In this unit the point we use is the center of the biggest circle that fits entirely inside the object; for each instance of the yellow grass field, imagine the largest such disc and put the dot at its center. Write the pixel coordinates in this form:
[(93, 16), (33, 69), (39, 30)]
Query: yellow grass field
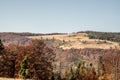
[(80, 40)]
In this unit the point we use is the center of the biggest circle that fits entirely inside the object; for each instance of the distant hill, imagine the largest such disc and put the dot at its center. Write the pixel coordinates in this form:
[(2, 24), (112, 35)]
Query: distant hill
[(16, 38), (111, 36), (20, 38), (77, 40)]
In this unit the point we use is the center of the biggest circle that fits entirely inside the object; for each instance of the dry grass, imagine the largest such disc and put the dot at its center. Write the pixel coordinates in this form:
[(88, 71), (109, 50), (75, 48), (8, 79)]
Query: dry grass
[(78, 41)]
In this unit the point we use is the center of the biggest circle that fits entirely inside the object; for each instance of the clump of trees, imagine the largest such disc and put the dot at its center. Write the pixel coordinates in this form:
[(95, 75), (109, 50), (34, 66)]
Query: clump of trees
[(37, 65), (112, 64), (81, 72), (105, 63), (104, 36)]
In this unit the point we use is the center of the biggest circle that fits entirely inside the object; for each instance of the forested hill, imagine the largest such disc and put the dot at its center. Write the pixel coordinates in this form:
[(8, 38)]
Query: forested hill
[(20, 38), (16, 38), (111, 36)]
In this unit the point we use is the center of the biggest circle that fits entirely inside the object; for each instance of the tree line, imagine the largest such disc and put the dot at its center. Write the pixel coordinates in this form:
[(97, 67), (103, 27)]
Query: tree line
[(104, 36)]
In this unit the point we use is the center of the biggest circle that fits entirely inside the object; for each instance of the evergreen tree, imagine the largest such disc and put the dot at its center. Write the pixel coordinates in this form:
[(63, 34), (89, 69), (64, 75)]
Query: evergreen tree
[(24, 67), (101, 68), (78, 71), (72, 74), (67, 75), (59, 76), (2, 60), (1, 47), (83, 71), (52, 78)]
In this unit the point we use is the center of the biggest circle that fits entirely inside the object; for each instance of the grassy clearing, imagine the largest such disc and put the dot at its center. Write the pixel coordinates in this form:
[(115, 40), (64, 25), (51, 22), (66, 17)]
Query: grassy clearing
[(78, 41)]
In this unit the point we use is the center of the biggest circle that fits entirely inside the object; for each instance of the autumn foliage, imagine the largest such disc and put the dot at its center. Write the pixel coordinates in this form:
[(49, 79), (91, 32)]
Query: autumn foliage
[(40, 59), (51, 63)]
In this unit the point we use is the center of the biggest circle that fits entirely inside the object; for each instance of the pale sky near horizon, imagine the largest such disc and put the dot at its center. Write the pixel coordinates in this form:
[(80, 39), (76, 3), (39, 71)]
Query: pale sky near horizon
[(46, 16)]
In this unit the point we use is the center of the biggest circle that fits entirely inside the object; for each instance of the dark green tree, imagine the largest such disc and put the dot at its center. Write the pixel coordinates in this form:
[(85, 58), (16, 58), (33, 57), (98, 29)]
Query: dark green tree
[(52, 78), (59, 76), (73, 73), (1, 48), (24, 68), (2, 60), (101, 68)]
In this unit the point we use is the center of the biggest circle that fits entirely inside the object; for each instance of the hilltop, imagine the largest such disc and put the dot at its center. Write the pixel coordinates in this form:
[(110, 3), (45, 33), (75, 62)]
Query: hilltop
[(76, 41)]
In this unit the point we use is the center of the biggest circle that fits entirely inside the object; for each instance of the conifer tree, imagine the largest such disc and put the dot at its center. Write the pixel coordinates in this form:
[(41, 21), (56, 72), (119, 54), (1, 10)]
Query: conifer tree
[(52, 78), (66, 75), (101, 68), (78, 71), (1, 47), (24, 67), (2, 60), (59, 76), (72, 74), (83, 70)]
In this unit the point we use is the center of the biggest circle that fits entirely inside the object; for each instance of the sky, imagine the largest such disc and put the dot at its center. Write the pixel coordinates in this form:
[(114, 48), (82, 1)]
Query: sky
[(47, 16)]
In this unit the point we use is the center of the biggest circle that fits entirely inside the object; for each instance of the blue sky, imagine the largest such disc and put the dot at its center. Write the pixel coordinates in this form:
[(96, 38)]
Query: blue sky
[(45, 16)]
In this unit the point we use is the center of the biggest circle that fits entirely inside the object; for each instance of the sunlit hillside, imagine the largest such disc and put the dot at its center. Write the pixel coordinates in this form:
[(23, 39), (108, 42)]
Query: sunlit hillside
[(77, 41)]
